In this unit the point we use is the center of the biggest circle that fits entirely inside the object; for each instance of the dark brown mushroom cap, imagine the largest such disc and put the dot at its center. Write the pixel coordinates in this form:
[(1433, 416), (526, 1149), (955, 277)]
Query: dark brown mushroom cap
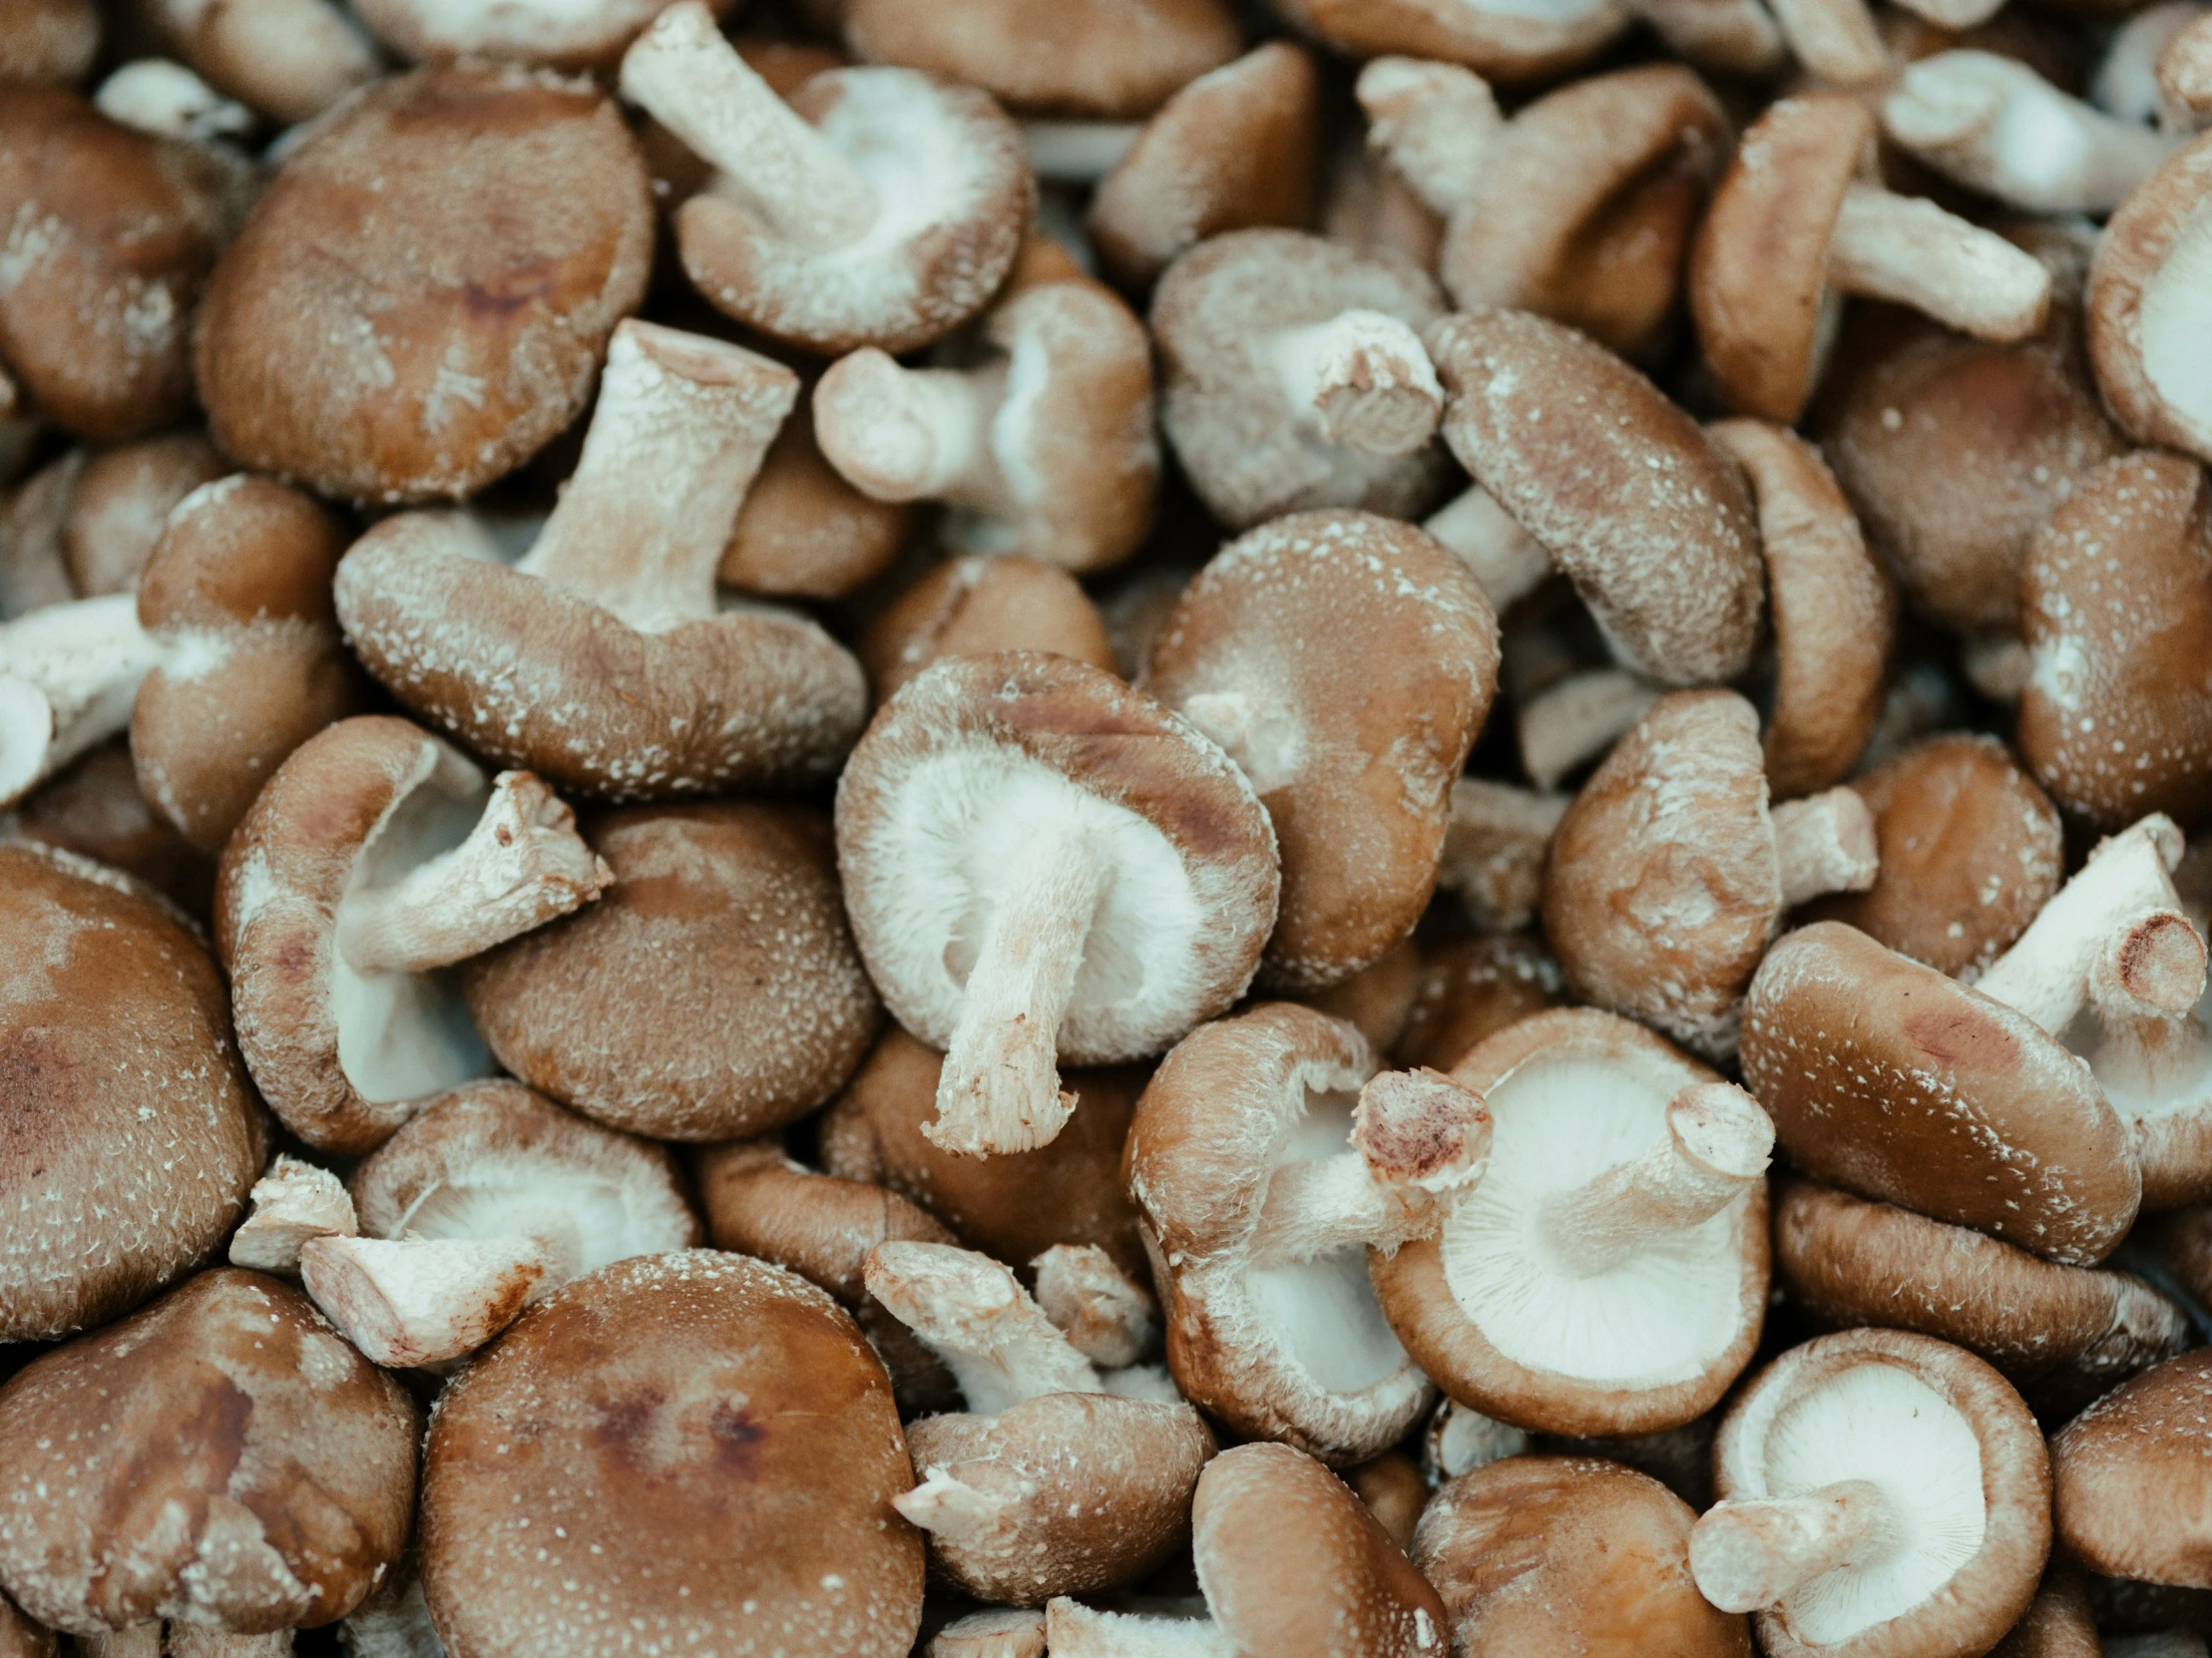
[(1648, 520), (803, 532), (977, 604), (2116, 609), (1971, 850), (1470, 990), (1893, 1082), (134, 1135), (95, 810), (1569, 1556), (1394, 1491), (1502, 43), (1356, 659), (420, 298), (2128, 1477), (49, 42), (2058, 1623), (116, 233), (729, 1400), (2141, 318), (712, 991), (239, 589), (222, 1457), (121, 502)]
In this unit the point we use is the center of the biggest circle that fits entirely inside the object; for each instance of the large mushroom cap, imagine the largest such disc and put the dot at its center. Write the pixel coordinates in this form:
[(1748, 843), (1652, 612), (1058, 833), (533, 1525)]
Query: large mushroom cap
[(2145, 304), (134, 1135), (222, 1458), (2128, 1477), (696, 1446)]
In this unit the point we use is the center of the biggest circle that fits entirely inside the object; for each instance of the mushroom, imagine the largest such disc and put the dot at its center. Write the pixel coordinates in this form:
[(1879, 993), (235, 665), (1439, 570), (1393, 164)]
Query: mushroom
[(2118, 1472), (803, 532), (420, 298), (558, 33), (1495, 844), (732, 1403), (2144, 306), (95, 810), (603, 660), (67, 676), (99, 512), (974, 604), (1671, 875), (1378, 1000), (19, 1636), (1791, 227), (1512, 43), (1043, 865), (879, 207), (220, 1459), (995, 1632), (1047, 1483), (49, 42), (2125, 82), (1458, 1440), (294, 1202), (485, 1203), (1471, 989), (375, 856), (714, 991), (2185, 71), (2177, 1246), (1268, 1157), (1569, 1555), (1368, 204), (135, 1135), (2057, 1624), (1881, 1493), (1609, 1274), (1295, 375), (1346, 663), (290, 60), (163, 97), (1395, 1492)]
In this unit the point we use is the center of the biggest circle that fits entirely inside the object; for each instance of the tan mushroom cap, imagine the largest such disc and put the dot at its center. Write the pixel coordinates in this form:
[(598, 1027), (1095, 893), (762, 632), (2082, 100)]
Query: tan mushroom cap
[(712, 992), (1569, 1555), (2184, 68), (120, 500), (290, 60), (1346, 662), (2058, 1623), (1893, 1082), (1378, 1000), (1502, 42), (2116, 720), (2145, 312), (95, 810), (2126, 1477), (803, 532), (49, 42), (220, 1457), (1395, 1492), (1471, 989), (733, 1403), (420, 298), (974, 604), (1651, 522)]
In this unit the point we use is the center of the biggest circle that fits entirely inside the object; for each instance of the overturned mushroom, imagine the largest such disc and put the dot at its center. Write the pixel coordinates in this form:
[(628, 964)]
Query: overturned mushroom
[(2145, 306), (975, 604)]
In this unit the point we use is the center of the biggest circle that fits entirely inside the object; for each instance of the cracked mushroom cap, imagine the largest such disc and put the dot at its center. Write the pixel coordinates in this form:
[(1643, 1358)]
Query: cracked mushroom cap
[(2126, 1472), (1637, 508), (1346, 662), (221, 1459), (978, 604), (698, 1447), (135, 1136), (1502, 42), (420, 298), (2146, 307), (1569, 1556), (712, 992), (1890, 1080), (1609, 1274)]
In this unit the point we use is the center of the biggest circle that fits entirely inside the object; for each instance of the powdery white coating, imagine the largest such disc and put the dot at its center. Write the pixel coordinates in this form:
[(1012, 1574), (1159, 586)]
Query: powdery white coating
[(1074, 1630), (565, 32), (77, 664)]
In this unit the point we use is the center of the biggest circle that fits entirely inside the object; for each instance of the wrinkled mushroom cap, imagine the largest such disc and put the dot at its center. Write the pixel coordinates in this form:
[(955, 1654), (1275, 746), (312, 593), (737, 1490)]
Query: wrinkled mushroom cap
[(2145, 306), (2128, 1477)]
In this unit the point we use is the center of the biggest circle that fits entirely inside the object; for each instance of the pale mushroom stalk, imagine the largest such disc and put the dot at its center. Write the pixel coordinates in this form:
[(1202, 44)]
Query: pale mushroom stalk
[(1749, 1554), (422, 1301), (974, 1315), (163, 97), (1577, 719), (1910, 251), (67, 676), (1834, 39), (1822, 844), (1506, 561), (1074, 1630), (188, 1641), (294, 1202), (1077, 151), (1433, 123), (1362, 379), (1460, 1438), (1105, 1315), (1494, 850), (913, 434)]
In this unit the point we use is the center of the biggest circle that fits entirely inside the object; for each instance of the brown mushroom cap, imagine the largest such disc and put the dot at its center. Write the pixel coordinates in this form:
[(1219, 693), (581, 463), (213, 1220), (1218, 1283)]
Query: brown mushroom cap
[(1346, 662), (2125, 1472), (975, 604), (95, 810), (1502, 42), (1569, 1555), (420, 299), (803, 532), (120, 501), (290, 60), (19, 1636), (1468, 990), (551, 33), (2058, 1623), (136, 1134), (1395, 1492), (49, 42), (2145, 316), (219, 1458), (1890, 1080)]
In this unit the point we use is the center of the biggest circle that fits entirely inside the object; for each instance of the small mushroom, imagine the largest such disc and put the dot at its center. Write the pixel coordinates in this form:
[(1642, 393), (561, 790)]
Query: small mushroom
[(294, 1202), (2058, 1623), (2118, 1472), (1881, 1493), (1043, 865), (49, 42), (975, 604), (1468, 990), (803, 532), (95, 810), (290, 60), (118, 500), (2185, 71), (2145, 306), (1507, 42), (163, 97), (561, 34), (1395, 1492)]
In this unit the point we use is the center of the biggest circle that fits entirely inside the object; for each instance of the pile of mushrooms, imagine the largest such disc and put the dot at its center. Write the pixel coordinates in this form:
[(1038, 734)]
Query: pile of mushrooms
[(1106, 828)]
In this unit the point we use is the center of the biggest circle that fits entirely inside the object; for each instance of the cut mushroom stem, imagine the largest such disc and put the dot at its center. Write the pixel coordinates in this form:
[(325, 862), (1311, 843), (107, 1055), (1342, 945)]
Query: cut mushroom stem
[(163, 97), (1910, 251), (1077, 152), (1750, 1555), (67, 676), (1363, 378), (910, 434), (521, 865), (1718, 1145), (1506, 561), (1822, 844), (1574, 721), (1433, 122), (683, 74), (422, 1301), (294, 1202), (1106, 1316), (975, 1316)]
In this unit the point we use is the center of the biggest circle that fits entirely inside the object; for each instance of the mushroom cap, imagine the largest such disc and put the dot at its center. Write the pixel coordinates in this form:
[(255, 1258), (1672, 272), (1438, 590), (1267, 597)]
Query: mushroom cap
[(705, 1451), (759, 1203), (2128, 1477), (1378, 1000), (2058, 1623), (1248, 455), (2116, 610), (120, 503), (135, 1137), (1893, 1082), (974, 604), (803, 532), (1299, 1353), (560, 33), (965, 763), (1506, 42), (738, 1000), (1487, 1313), (1360, 659), (222, 1457), (1648, 520), (1472, 989), (1109, 60), (2146, 312), (1395, 1492), (20, 1637), (49, 42), (95, 810), (1956, 1454), (1971, 850), (420, 299), (1569, 1555)]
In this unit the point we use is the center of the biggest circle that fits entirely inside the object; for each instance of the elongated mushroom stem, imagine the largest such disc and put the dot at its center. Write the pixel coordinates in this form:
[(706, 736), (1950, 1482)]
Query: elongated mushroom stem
[(1717, 1146), (1363, 380), (682, 425), (1106, 1316), (1077, 151), (683, 74), (1834, 39), (2185, 70), (948, 1507), (422, 1301), (911, 434), (1494, 850), (1824, 843), (1749, 1554), (1433, 123), (1506, 561), (189, 1641), (974, 1315), (163, 97), (1909, 251), (67, 676), (1577, 719), (292, 1203)]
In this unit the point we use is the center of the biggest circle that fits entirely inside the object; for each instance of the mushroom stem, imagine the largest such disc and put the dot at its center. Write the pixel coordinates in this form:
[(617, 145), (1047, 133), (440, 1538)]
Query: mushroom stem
[(1264, 739), (1824, 843), (1000, 1086), (188, 1641), (1996, 664), (1433, 122), (2185, 69), (974, 1315), (1749, 1554), (67, 676), (1494, 850), (683, 74), (292, 1203), (1577, 719), (1074, 1630), (911, 434), (1506, 561), (1363, 380), (946, 1508), (1909, 251), (163, 97), (1106, 1316), (682, 425), (1077, 151), (521, 865), (422, 1301), (1717, 1146), (1834, 39)]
